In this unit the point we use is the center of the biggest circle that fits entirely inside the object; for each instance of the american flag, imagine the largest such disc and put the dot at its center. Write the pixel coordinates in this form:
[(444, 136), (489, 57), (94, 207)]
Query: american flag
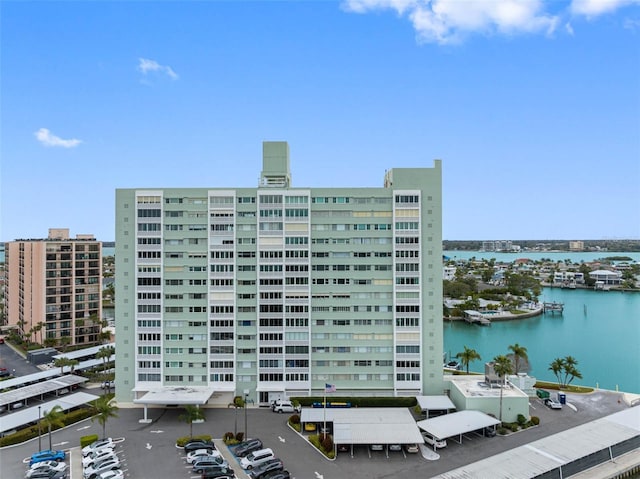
[(329, 388)]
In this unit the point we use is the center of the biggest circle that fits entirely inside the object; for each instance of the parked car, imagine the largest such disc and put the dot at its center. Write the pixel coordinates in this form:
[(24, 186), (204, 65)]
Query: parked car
[(552, 403), (433, 441), (210, 470), (97, 456), (256, 458), (395, 447), (489, 431), (94, 470), (284, 406), (211, 462), (199, 454), (376, 447), (412, 448), (107, 385), (266, 467), (221, 473), (277, 475), (47, 455), (112, 474), (198, 444), (48, 467), (247, 447), (99, 444), (57, 465), (49, 474)]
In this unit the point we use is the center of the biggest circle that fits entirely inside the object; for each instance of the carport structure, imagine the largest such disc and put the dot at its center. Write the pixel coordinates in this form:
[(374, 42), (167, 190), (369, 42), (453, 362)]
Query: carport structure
[(20, 396), (457, 424), (435, 404), (366, 426)]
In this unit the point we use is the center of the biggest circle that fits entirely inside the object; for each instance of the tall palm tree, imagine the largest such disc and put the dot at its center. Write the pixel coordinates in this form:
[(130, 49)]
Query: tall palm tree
[(105, 409), (518, 353), (53, 418), (191, 413), (467, 356), (502, 366), (557, 366)]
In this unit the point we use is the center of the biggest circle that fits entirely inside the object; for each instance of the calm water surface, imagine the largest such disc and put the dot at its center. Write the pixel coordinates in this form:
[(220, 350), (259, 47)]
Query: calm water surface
[(601, 329)]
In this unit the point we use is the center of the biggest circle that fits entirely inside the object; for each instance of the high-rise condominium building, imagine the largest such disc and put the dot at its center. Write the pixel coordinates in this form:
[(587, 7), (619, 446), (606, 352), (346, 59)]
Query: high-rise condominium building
[(280, 291), (53, 290)]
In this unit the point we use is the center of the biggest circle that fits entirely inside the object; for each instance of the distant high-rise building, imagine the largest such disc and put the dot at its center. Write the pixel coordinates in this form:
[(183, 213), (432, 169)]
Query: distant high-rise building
[(278, 291), (576, 245), (53, 290)]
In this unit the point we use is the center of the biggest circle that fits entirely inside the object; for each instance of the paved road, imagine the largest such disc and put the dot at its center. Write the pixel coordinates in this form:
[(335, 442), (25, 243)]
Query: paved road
[(148, 450)]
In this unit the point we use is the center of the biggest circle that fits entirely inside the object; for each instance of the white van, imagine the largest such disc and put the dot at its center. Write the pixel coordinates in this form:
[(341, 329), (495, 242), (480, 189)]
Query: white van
[(433, 441), (283, 406), (256, 457)]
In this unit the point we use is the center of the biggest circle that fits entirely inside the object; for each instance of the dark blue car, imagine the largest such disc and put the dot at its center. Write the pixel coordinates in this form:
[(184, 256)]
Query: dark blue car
[(47, 455)]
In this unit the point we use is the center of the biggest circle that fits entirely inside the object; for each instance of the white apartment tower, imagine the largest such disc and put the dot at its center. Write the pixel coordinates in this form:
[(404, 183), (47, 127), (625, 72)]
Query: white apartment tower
[(277, 291)]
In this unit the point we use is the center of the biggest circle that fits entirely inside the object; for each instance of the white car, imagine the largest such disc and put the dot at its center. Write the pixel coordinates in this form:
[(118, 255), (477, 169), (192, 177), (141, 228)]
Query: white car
[(193, 456), (112, 474), (98, 456), (100, 444), (91, 472), (46, 466)]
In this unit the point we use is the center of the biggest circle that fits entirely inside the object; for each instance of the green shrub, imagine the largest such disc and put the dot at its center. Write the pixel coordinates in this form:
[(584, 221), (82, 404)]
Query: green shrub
[(240, 436), (521, 419), (294, 419), (19, 437), (227, 436), (514, 427), (535, 420), (502, 430), (181, 441), (327, 443), (86, 440)]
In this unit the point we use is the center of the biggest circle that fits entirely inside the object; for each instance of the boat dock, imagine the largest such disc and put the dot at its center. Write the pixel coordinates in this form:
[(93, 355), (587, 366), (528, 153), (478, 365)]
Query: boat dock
[(553, 307), (471, 317)]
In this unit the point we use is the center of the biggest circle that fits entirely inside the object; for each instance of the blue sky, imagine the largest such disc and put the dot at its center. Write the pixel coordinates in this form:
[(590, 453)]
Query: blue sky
[(533, 106)]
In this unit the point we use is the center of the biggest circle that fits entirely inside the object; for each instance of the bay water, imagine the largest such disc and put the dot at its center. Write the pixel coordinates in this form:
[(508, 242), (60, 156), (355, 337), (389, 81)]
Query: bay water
[(600, 329)]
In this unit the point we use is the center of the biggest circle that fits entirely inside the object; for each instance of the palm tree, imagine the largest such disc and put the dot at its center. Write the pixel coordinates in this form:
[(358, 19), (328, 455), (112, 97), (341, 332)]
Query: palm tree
[(53, 418), (467, 356), (502, 367), (61, 363), (518, 352), (105, 408), (557, 366), (191, 414)]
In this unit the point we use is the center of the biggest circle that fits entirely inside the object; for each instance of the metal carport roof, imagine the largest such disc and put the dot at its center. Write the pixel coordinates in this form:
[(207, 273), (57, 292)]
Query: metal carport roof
[(367, 425), (14, 420), (435, 403), (457, 423), (555, 451), (37, 389), (81, 353)]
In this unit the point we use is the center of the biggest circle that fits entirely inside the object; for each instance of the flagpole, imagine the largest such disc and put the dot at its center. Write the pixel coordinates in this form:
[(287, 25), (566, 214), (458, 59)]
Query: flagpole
[(324, 426)]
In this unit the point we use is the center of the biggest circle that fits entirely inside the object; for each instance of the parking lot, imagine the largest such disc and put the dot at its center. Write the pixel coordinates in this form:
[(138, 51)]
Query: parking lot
[(151, 453)]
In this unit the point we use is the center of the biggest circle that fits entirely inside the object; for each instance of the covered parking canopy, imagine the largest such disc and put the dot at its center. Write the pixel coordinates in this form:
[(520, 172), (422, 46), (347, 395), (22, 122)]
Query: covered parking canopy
[(30, 415), (367, 425), (25, 393), (435, 403), (457, 424)]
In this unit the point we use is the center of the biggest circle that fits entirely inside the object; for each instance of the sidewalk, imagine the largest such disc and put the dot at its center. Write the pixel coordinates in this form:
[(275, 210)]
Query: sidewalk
[(75, 463)]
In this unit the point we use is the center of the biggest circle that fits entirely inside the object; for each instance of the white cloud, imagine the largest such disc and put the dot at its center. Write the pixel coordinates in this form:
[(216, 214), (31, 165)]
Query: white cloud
[(47, 138), (450, 21), (594, 8), (568, 28), (145, 66)]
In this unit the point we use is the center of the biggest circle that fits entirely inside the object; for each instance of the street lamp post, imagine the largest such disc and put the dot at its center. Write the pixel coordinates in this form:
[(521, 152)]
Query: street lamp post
[(39, 431), (246, 429)]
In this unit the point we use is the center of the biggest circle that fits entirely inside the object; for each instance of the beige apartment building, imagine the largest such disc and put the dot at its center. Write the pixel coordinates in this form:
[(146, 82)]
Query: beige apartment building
[(53, 288)]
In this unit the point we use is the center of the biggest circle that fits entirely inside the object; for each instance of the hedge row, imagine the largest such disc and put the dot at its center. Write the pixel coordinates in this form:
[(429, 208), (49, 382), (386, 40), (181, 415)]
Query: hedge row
[(32, 431)]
